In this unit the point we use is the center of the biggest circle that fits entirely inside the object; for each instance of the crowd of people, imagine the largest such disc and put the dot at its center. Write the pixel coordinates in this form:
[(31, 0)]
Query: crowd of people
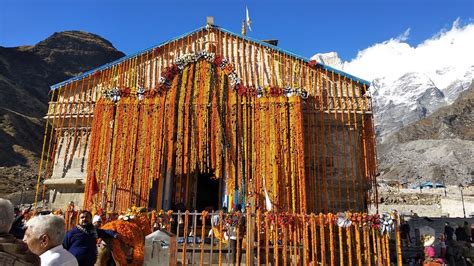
[(447, 248), (43, 239)]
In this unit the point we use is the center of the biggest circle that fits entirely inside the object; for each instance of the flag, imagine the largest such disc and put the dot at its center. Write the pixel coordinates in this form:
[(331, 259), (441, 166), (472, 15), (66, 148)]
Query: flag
[(93, 187), (247, 18), (268, 203)]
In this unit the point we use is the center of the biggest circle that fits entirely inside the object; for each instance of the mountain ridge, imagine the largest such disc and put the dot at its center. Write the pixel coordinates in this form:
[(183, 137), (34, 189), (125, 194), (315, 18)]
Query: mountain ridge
[(26, 74), (424, 133)]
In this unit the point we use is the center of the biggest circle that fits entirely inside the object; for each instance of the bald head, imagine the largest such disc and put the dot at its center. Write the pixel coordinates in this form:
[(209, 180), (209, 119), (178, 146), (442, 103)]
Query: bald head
[(7, 214)]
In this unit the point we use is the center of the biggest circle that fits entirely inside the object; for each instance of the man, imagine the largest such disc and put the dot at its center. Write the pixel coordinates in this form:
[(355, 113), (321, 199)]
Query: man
[(405, 233), (460, 233), (467, 230), (43, 236), (12, 250), (18, 226), (81, 240), (236, 234), (448, 232), (216, 226)]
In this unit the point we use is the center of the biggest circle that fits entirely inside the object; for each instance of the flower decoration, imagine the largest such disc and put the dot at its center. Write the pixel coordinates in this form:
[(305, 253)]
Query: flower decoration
[(288, 92), (286, 219), (125, 92), (218, 60), (229, 69), (312, 63), (132, 236), (344, 220), (150, 93), (113, 94), (375, 220), (165, 81), (234, 80), (259, 92), (241, 90), (274, 91), (386, 223), (141, 93), (302, 93)]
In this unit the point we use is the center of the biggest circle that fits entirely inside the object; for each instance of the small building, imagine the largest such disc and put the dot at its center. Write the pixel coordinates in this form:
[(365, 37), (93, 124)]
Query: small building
[(211, 119)]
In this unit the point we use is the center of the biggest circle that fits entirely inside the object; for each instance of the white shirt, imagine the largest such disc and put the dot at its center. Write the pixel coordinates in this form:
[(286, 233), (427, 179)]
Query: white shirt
[(58, 256)]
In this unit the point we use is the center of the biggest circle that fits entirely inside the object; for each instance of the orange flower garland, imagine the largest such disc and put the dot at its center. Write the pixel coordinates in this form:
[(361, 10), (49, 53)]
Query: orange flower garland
[(132, 236), (199, 117)]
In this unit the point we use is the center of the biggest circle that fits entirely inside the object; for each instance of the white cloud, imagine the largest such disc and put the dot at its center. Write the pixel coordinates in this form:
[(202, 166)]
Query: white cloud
[(447, 55)]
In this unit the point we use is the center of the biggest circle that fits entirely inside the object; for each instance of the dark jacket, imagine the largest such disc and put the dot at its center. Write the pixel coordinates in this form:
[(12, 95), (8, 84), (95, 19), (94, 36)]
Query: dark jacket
[(461, 234), (448, 231), (82, 243), (18, 227)]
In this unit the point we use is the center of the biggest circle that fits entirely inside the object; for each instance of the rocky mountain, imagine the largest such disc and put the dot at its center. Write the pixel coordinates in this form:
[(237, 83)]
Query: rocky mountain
[(410, 98), (438, 148), (424, 124), (455, 121), (26, 72)]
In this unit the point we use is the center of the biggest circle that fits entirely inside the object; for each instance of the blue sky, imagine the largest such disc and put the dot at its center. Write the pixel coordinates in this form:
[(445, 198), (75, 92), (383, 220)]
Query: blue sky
[(303, 27)]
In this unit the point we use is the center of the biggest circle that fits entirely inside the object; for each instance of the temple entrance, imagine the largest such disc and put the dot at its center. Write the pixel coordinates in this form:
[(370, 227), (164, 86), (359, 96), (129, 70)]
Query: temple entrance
[(207, 192)]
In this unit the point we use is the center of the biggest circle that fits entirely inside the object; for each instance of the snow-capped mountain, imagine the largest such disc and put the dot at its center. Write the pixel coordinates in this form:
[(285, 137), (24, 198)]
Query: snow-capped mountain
[(330, 59), (412, 96), (423, 100)]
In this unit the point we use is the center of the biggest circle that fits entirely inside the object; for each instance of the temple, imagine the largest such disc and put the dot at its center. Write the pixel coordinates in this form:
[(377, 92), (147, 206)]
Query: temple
[(211, 119)]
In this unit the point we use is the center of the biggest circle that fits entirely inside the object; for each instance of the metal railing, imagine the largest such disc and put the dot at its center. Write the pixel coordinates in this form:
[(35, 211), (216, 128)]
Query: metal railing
[(283, 238)]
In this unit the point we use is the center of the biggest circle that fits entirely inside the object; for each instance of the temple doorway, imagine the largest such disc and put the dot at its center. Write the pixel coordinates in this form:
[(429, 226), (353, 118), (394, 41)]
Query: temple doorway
[(207, 192)]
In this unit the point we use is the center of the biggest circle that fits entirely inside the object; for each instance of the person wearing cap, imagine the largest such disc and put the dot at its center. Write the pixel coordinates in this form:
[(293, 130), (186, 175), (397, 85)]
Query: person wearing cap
[(429, 250), (97, 221)]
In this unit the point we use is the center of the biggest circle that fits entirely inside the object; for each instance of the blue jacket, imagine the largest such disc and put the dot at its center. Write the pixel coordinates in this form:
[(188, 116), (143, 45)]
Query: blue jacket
[(83, 245)]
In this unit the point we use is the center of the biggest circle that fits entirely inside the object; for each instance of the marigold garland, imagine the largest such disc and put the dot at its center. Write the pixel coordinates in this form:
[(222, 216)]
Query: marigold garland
[(200, 118), (132, 236)]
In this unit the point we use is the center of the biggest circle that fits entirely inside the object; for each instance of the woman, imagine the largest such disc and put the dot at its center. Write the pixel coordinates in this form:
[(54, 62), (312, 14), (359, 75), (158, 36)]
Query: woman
[(430, 253)]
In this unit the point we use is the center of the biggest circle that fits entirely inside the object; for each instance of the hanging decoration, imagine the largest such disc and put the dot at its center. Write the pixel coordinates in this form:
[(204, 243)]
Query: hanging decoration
[(196, 122), (386, 223), (286, 131), (165, 81), (343, 220), (114, 94)]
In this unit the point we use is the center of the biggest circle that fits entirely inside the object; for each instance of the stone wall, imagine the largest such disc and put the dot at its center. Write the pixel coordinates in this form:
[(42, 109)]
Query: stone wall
[(69, 171)]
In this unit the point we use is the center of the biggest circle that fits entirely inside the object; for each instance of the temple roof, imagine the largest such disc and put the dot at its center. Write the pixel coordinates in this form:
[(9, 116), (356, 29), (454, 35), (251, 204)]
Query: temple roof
[(259, 42)]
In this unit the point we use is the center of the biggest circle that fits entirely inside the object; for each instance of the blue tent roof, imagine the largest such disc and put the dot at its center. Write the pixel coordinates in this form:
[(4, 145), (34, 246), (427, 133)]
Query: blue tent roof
[(118, 61), (430, 185)]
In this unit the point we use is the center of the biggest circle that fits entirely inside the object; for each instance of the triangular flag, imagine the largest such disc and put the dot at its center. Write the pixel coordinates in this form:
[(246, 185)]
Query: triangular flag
[(247, 18), (93, 187), (268, 203)]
